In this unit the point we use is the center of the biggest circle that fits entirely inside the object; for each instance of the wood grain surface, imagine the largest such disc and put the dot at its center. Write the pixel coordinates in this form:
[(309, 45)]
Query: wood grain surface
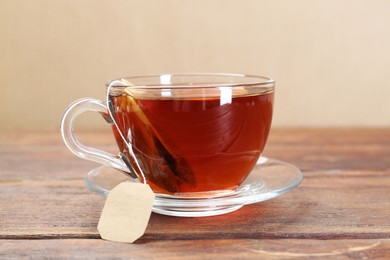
[(341, 210)]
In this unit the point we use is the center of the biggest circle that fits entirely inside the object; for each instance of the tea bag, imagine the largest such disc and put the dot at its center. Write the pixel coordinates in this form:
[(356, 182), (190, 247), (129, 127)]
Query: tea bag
[(126, 212), (164, 166)]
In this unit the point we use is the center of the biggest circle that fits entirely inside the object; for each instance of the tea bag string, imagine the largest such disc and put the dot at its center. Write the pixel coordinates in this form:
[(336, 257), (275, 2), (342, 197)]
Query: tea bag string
[(110, 108)]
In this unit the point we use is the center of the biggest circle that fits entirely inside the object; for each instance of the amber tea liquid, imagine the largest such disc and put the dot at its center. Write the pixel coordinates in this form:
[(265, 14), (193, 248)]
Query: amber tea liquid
[(193, 144)]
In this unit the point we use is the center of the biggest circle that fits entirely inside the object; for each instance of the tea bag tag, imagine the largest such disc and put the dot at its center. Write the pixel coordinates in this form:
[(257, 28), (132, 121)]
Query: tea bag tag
[(126, 212)]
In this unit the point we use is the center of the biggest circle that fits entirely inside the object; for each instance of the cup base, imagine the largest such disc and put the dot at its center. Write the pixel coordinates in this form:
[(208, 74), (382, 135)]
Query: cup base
[(202, 212), (269, 178)]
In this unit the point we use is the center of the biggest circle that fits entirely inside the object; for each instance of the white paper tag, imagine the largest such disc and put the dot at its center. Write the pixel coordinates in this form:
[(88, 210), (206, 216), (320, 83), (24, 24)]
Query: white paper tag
[(126, 212)]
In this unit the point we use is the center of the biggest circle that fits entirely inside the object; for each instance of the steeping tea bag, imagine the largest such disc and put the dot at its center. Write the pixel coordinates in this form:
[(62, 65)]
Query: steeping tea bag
[(146, 146)]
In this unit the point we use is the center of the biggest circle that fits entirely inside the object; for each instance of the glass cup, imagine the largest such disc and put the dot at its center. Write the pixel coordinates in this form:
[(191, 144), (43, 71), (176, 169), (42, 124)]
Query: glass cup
[(183, 134)]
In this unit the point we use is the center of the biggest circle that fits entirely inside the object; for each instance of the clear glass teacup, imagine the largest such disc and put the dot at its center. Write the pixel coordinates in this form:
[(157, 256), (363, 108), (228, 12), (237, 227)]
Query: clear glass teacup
[(183, 134)]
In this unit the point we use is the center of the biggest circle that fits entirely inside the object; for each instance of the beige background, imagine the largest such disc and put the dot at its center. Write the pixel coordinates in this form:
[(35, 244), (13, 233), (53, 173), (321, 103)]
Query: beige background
[(331, 59)]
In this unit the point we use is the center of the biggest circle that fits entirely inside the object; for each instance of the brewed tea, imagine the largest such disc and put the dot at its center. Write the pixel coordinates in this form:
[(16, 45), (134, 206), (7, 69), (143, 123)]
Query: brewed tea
[(193, 144)]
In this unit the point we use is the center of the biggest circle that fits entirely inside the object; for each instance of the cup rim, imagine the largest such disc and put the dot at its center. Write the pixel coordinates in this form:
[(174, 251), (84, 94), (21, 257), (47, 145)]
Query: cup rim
[(249, 80)]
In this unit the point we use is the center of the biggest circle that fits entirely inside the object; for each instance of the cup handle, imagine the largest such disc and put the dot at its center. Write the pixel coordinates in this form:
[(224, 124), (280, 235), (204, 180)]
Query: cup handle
[(67, 132)]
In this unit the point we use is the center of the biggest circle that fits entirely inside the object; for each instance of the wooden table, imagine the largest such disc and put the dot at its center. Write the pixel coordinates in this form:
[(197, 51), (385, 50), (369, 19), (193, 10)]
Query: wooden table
[(341, 209)]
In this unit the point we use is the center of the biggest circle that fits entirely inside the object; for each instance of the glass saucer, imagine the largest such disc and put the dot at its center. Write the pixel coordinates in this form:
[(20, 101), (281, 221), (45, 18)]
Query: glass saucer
[(270, 178)]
